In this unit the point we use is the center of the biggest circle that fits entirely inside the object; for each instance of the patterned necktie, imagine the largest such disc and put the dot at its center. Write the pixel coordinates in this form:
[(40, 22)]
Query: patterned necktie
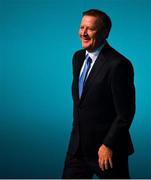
[(84, 74)]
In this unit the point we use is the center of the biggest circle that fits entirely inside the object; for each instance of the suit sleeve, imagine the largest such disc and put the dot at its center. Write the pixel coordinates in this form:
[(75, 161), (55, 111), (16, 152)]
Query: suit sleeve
[(123, 94)]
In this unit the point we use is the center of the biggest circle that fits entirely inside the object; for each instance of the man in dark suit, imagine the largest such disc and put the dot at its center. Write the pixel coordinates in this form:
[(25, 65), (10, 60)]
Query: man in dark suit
[(104, 105)]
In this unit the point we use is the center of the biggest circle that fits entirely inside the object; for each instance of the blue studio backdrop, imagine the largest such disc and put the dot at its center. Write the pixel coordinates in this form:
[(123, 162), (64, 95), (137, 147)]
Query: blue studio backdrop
[(37, 41)]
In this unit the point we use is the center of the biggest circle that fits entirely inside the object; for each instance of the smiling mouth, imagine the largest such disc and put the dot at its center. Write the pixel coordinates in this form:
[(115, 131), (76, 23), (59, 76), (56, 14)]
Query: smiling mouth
[(85, 40)]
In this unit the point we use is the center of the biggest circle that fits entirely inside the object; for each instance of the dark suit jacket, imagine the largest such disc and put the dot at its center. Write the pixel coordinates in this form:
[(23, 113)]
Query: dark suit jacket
[(105, 111)]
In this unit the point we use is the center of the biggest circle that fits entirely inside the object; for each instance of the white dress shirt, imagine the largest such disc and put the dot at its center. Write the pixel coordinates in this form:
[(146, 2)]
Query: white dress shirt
[(93, 55)]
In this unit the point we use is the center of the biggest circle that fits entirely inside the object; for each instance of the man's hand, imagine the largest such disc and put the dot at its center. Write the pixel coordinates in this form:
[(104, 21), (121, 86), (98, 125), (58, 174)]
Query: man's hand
[(105, 157)]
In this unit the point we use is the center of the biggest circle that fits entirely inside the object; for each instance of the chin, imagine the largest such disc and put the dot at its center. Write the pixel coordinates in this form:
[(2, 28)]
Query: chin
[(85, 46)]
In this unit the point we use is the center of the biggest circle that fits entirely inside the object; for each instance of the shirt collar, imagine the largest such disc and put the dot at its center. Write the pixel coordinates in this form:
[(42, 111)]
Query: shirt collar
[(93, 55)]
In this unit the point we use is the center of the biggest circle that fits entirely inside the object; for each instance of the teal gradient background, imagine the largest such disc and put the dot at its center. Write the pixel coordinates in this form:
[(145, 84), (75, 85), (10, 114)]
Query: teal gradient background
[(37, 41)]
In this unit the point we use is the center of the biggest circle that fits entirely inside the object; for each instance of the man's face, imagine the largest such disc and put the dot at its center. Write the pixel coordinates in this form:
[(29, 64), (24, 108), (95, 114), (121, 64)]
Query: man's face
[(91, 32)]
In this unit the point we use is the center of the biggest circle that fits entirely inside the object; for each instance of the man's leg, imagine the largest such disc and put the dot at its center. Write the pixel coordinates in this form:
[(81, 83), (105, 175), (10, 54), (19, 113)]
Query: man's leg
[(119, 171), (76, 168)]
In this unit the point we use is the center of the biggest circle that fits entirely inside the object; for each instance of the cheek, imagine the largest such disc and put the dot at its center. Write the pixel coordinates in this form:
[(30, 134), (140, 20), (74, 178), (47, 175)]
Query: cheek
[(93, 36)]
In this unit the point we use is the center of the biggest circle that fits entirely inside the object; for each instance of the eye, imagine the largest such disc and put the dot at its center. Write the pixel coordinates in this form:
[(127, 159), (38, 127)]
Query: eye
[(81, 27), (92, 29)]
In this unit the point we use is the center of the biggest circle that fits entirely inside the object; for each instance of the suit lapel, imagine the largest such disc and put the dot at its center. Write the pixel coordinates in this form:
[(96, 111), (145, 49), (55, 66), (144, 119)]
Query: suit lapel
[(79, 63), (100, 61), (95, 69), (98, 65)]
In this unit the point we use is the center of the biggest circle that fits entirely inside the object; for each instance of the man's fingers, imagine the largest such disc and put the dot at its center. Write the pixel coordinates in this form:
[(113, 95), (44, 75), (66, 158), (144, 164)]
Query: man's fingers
[(101, 164), (106, 164), (110, 162)]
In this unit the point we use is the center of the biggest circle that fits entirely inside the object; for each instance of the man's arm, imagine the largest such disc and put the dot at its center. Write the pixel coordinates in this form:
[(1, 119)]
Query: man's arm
[(123, 92)]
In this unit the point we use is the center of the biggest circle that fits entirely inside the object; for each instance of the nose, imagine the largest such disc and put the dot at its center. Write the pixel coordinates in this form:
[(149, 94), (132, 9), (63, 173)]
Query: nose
[(84, 32)]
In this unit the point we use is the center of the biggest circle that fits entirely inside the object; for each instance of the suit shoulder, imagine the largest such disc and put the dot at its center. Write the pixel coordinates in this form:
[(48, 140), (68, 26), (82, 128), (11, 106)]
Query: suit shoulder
[(78, 56), (78, 53), (115, 58)]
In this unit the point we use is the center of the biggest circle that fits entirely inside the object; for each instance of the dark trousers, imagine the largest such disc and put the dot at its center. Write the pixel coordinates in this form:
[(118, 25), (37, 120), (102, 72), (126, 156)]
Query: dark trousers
[(78, 167)]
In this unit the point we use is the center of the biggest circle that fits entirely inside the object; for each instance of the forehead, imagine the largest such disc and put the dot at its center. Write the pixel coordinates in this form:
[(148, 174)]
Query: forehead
[(91, 21)]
